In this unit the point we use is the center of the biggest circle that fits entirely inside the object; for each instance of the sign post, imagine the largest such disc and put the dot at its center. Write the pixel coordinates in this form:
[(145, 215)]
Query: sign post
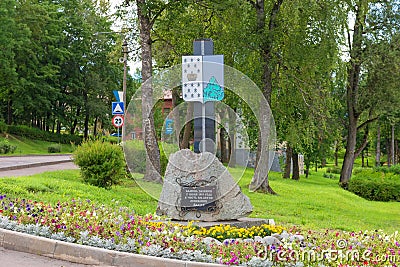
[(203, 83), (118, 110)]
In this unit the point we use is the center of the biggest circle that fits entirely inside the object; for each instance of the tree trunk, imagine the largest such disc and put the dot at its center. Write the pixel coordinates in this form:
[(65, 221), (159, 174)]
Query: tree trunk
[(176, 114), (188, 126), (336, 153), (153, 166), (47, 122), (296, 171), (323, 162), (58, 129), (288, 162), (95, 126), (396, 151), (389, 157), (223, 137), (352, 95), (86, 121), (260, 179), (307, 172), (223, 134), (231, 140), (392, 147), (75, 123), (348, 161), (9, 112), (378, 147), (362, 159)]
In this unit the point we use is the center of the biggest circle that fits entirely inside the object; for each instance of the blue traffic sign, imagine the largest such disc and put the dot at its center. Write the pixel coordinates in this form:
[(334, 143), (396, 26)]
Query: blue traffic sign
[(117, 108), (169, 126)]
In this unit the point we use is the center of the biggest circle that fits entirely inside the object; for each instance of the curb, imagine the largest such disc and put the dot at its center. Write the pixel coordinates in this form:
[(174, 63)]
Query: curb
[(31, 165), (85, 254)]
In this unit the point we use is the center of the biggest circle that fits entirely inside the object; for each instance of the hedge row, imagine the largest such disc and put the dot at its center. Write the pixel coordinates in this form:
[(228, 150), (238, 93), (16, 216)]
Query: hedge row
[(37, 134), (392, 169), (374, 184)]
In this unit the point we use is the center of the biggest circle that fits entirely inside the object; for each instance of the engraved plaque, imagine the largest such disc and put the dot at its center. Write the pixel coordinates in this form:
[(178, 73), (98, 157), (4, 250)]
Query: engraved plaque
[(198, 198)]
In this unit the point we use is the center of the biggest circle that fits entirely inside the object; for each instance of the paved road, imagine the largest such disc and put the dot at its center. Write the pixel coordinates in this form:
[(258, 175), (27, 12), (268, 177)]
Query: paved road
[(27, 165), (39, 169), (15, 162), (10, 258)]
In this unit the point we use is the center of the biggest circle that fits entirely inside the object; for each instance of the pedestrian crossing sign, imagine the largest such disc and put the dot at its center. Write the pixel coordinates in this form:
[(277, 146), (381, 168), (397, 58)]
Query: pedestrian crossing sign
[(117, 108)]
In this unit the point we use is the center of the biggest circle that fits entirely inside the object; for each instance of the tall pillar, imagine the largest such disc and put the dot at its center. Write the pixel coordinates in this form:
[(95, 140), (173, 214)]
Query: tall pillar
[(204, 113)]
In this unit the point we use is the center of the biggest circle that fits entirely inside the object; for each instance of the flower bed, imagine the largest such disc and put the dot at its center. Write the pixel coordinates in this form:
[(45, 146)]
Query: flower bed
[(121, 229)]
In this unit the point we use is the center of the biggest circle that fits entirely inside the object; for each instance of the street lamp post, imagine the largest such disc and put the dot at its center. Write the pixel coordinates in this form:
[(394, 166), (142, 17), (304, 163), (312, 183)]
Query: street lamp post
[(125, 51), (125, 61)]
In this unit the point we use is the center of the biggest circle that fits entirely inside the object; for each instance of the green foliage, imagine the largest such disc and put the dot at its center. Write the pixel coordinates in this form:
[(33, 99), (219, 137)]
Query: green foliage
[(163, 162), (54, 148), (37, 134), (329, 176), (26, 146), (44, 79), (3, 127), (392, 169), (135, 155), (333, 170), (373, 184), (102, 164), (6, 147)]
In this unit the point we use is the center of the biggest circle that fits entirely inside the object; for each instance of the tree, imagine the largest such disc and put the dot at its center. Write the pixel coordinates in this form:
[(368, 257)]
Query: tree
[(373, 24), (265, 29), (147, 16), (13, 36)]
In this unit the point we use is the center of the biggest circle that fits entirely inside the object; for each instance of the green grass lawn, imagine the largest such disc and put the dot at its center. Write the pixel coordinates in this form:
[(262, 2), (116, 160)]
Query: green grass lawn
[(312, 203), (28, 146), (319, 202)]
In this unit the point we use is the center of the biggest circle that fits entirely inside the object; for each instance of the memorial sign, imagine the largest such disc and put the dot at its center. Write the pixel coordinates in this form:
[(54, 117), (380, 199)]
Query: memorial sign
[(198, 198)]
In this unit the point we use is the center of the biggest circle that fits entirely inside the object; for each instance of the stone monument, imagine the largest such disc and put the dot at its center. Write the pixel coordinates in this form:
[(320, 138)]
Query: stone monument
[(196, 185), (199, 187)]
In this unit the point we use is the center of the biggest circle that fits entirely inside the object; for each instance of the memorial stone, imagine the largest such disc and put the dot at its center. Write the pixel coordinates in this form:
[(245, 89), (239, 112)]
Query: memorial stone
[(199, 187)]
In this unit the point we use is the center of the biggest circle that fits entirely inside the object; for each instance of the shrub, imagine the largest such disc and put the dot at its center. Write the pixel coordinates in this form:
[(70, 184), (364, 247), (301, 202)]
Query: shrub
[(334, 170), (373, 184), (3, 127), (329, 175), (102, 164), (6, 147), (135, 155), (163, 162), (392, 169), (54, 148)]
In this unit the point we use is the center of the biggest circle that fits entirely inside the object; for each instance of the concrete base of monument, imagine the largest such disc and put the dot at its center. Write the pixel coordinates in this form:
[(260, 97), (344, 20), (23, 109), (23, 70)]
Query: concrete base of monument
[(240, 223)]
